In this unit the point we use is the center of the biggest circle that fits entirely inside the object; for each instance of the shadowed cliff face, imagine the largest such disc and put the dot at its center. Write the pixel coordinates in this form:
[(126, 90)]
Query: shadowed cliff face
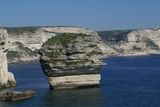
[(72, 60), (6, 78)]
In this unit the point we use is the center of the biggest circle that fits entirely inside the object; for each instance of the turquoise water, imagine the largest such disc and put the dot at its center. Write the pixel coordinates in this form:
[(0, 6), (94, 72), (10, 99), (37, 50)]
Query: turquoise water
[(126, 82)]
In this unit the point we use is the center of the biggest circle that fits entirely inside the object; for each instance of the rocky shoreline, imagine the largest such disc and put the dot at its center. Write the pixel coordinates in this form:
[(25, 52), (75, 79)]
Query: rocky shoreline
[(140, 54), (16, 96)]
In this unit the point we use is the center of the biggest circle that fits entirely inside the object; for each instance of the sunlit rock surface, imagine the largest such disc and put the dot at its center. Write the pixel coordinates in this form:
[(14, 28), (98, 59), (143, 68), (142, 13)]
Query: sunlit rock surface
[(6, 78), (138, 42)]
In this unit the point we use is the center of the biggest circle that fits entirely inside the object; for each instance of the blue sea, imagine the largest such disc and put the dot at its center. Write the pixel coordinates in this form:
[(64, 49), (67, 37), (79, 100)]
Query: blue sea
[(126, 82)]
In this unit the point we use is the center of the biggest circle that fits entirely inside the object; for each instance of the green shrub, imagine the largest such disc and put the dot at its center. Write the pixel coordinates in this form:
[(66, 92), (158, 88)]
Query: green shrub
[(64, 39), (60, 43), (12, 54), (94, 53)]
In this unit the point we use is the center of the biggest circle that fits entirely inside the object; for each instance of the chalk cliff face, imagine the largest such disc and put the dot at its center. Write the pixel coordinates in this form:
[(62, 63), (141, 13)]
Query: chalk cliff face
[(25, 43), (6, 78), (72, 58), (144, 41)]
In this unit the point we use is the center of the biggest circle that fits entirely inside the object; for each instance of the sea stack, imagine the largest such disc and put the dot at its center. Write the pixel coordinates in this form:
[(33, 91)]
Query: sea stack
[(6, 78), (72, 58)]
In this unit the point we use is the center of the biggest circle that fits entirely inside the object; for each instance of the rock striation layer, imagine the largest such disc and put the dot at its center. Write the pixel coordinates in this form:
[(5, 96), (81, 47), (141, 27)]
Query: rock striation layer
[(72, 60), (6, 78)]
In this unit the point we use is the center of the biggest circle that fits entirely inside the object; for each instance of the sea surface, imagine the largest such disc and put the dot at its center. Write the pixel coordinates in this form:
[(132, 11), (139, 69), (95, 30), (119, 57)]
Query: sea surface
[(126, 82)]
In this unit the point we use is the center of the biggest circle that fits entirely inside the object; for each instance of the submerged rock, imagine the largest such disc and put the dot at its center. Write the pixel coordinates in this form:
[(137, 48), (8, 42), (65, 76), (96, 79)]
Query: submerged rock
[(6, 78), (73, 60), (16, 96)]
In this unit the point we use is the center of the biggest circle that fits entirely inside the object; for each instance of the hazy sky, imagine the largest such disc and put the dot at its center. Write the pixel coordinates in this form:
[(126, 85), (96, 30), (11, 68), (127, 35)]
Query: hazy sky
[(96, 14)]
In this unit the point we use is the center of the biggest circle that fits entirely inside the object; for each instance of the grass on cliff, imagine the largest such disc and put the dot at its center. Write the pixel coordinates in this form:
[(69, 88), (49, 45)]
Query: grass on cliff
[(94, 53), (21, 30), (63, 39), (12, 54)]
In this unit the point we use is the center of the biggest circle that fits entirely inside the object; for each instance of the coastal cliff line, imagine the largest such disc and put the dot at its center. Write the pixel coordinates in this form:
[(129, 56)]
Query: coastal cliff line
[(25, 42), (133, 42)]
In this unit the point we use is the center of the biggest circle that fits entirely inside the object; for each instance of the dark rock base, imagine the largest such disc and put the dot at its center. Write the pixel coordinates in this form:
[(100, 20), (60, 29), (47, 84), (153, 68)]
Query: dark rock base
[(8, 85)]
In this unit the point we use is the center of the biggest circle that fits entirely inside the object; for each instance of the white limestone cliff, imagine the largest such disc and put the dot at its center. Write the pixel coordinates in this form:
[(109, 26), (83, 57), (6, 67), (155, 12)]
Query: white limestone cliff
[(6, 78), (133, 42), (145, 40)]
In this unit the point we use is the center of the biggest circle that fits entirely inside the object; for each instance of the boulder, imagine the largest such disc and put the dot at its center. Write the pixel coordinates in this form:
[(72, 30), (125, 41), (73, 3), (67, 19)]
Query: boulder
[(73, 60)]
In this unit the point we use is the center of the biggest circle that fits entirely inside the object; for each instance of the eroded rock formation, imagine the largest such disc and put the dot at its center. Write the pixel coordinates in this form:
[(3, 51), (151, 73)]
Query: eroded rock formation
[(73, 60), (6, 78)]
